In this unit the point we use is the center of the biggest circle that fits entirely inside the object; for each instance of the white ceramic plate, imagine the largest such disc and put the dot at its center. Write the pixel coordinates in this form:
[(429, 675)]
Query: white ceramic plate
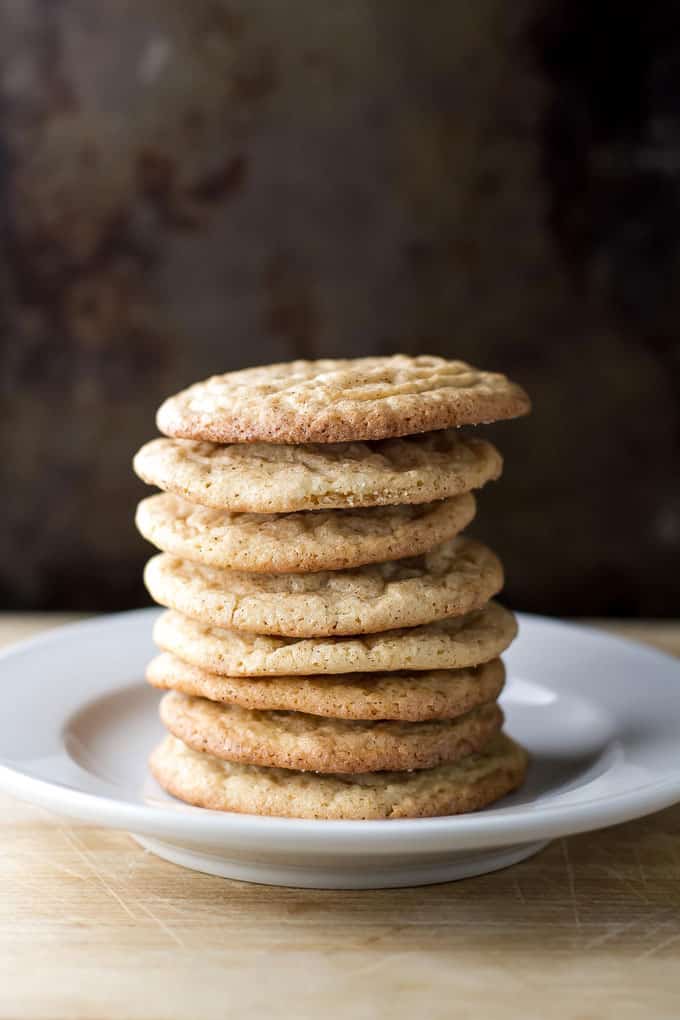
[(600, 716)]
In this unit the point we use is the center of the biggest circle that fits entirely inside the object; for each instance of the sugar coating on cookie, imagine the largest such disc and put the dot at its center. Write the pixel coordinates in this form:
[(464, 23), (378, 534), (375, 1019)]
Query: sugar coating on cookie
[(452, 579), (454, 643), (467, 785), (294, 740), (405, 696), (264, 478), (330, 401), (305, 540)]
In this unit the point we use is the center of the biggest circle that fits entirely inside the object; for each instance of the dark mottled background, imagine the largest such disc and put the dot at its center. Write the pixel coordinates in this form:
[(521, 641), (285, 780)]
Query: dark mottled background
[(191, 187)]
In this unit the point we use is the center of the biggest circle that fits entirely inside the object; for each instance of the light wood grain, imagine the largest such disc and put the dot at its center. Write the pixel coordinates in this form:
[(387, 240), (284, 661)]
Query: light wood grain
[(93, 928)]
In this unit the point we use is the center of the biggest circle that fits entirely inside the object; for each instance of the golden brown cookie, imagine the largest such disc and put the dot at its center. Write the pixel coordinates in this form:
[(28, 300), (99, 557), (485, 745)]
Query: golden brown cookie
[(311, 743), (304, 541), (409, 697), (455, 643), (264, 478), (332, 401), (450, 580), (467, 785)]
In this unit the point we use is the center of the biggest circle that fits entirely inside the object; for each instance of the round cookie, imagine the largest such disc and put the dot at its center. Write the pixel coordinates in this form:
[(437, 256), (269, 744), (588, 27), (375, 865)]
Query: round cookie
[(311, 743), (263, 478), (454, 643), (467, 785), (450, 580), (307, 540), (408, 697), (332, 401)]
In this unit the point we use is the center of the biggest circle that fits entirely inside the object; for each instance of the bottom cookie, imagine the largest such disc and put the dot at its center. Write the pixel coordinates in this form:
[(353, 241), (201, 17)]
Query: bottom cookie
[(467, 785)]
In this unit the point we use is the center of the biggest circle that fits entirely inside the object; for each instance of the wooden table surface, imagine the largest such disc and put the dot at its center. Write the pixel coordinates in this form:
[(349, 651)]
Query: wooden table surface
[(94, 928)]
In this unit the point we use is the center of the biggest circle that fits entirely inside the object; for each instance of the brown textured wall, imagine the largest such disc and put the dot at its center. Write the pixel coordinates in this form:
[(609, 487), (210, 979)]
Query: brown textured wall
[(188, 188)]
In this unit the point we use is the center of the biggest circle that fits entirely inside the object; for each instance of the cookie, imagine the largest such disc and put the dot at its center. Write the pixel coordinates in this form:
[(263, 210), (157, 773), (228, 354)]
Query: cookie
[(263, 478), (311, 743), (467, 785), (450, 580), (307, 540), (408, 697), (332, 401), (455, 643)]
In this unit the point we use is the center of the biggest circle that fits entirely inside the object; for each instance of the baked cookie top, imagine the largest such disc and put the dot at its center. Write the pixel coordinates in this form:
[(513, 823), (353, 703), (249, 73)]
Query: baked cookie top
[(312, 743), (406, 696), (307, 540), (466, 785), (454, 578), (332, 401), (454, 643), (263, 478)]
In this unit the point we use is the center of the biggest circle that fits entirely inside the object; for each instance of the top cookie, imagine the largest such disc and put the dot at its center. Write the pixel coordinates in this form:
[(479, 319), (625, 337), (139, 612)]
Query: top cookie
[(333, 401)]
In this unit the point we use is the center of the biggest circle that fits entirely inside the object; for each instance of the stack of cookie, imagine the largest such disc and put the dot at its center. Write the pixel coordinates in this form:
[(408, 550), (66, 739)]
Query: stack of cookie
[(330, 648)]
